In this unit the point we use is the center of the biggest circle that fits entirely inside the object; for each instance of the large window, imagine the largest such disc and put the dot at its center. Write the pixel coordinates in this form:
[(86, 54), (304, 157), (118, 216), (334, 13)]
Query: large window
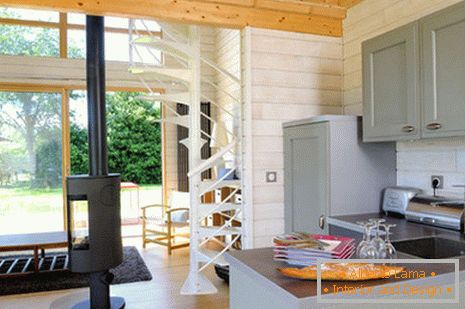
[(31, 198), (51, 34), (116, 38), (26, 14)]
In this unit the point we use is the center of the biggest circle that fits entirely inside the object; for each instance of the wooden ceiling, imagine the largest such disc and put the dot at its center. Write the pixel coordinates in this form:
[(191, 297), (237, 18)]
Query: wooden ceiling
[(322, 17)]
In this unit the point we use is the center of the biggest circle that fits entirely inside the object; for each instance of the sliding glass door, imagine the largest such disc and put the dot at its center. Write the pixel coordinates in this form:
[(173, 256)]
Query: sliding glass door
[(31, 175), (43, 138)]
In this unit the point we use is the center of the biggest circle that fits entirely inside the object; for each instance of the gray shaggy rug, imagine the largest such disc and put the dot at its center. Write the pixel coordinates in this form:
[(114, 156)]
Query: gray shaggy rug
[(133, 269)]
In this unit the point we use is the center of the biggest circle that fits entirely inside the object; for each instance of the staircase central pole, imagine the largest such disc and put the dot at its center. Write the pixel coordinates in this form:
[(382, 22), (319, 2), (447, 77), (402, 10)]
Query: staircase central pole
[(195, 283), (194, 149)]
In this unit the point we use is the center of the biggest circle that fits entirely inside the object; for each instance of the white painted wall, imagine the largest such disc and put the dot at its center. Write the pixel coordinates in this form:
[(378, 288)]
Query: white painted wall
[(417, 160), (292, 76)]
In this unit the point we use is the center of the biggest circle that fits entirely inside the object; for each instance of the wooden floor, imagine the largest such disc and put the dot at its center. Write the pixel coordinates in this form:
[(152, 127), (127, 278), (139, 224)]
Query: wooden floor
[(169, 273)]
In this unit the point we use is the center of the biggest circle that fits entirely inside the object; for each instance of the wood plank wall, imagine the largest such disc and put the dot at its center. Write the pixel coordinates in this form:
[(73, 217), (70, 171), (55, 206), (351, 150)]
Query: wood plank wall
[(61, 72), (293, 76), (368, 19), (228, 56)]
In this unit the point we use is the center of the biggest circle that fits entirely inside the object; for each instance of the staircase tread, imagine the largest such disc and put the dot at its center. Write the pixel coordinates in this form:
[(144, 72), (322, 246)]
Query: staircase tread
[(208, 254), (177, 49), (175, 74)]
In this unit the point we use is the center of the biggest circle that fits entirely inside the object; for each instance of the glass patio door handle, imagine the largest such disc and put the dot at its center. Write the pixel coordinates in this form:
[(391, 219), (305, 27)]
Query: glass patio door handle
[(321, 222)]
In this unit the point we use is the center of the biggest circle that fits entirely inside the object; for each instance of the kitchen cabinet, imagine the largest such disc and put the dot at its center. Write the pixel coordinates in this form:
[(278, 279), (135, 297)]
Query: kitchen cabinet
[(306, 155), (414, 79), (390, 85), (443, 64), (328, 171)]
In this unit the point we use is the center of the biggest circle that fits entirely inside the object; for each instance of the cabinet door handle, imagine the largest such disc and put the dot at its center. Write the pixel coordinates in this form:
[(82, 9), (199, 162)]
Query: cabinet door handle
[(434, 126), (408, 128), (321, 222)]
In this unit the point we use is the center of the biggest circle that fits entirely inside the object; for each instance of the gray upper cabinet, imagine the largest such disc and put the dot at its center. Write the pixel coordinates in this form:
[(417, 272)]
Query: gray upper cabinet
[(414, 79), (443, 64), (390, 85)]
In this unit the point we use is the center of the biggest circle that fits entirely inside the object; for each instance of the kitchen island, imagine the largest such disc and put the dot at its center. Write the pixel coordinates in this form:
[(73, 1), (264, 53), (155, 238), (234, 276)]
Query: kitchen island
[(256, 283)]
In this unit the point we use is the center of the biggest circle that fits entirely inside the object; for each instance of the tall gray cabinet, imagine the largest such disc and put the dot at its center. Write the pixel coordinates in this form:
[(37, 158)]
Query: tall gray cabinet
[(329, 171), (414, 79)]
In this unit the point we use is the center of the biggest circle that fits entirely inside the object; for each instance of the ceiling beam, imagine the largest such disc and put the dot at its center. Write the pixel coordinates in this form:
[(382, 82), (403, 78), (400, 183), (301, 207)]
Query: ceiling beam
[(303, 7), (330, 2), (196, 12), (348, 3), (247, 3)]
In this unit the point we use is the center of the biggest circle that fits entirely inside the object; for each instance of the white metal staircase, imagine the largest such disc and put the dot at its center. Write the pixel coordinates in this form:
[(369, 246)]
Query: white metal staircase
[(183, 84)]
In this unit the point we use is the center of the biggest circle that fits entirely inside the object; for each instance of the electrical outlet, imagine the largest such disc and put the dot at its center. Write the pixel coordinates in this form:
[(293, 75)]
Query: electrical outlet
[(437, 182), (271, 176)]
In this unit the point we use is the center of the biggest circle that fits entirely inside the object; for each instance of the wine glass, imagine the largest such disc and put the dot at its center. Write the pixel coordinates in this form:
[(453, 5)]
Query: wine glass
[(368, 250), (377, 241), (366, 237), (391, 252)]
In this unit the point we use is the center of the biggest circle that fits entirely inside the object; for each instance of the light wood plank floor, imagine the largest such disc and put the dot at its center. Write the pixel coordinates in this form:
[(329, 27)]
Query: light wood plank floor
[(168, 272)]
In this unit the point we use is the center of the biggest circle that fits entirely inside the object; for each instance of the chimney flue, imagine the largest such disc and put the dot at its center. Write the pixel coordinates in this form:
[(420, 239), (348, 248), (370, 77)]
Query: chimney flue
[(94, 219), (95, 62)]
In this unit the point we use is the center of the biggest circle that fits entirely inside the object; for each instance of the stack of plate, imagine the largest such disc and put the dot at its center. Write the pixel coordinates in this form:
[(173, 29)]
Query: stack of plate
[(305, 249)]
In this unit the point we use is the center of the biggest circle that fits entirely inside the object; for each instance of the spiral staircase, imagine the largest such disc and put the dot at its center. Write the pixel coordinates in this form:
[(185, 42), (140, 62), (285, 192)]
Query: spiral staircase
[(183, 82)]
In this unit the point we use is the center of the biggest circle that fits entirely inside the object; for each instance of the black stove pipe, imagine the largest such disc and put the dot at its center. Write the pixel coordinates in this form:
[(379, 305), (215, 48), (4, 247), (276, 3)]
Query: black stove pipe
[(99, 281), (98, 165)]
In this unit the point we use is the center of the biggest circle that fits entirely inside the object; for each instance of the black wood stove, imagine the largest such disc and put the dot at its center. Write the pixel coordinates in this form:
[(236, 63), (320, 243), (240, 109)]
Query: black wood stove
[(94, 219)]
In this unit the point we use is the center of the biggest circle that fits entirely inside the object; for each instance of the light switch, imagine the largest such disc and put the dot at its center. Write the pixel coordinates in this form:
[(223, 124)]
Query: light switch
[(271, 177)]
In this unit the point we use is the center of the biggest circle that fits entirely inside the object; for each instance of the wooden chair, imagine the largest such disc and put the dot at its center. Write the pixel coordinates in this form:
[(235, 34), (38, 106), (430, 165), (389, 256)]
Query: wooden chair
[(176, 215)]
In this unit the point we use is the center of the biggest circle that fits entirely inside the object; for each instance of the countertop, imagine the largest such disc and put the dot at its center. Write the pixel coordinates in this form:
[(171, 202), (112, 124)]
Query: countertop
[(403, 231), (259, 263)]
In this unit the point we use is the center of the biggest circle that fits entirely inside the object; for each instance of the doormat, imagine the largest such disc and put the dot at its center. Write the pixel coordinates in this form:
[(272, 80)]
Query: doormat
[(133, 269)]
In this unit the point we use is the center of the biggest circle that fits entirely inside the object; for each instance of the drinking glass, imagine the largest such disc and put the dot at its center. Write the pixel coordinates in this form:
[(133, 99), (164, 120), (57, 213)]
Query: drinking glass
[(366, 237), (377, 241), (367, 250), (391, 252)]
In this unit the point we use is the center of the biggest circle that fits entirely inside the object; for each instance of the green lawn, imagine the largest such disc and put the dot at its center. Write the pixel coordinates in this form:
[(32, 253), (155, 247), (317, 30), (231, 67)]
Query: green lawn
[(21, 200), (38, 200), (41, 210)]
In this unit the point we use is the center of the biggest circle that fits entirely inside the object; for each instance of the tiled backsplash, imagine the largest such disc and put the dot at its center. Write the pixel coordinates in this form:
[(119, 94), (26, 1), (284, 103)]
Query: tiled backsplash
[(417, 161)]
